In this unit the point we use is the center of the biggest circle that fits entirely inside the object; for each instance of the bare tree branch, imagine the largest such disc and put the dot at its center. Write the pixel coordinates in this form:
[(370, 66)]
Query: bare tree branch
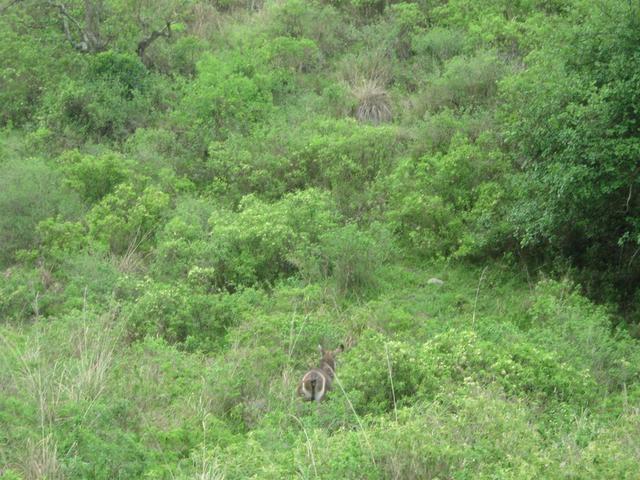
[(145, 42), (90, 40)]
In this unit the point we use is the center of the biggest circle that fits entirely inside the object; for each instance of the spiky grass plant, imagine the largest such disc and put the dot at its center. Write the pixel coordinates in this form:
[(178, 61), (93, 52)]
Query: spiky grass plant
[(374, 104)]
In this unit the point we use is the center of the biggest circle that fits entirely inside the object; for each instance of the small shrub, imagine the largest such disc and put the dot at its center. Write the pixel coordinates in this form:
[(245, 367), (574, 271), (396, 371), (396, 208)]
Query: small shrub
[(465, 82), (254, 245), (193, 320), (23, 294), (184, 250), (351, 257), (127, 219), (299, 55), (439, 43), (94, 176), (111, 101), (227, 95)]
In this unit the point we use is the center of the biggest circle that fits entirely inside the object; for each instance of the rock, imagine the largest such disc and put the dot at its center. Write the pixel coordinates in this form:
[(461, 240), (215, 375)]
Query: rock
[(435, 281)]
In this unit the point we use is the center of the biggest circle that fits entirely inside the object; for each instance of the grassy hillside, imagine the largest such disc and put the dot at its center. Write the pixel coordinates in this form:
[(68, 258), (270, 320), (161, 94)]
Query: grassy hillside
[(195, 195)]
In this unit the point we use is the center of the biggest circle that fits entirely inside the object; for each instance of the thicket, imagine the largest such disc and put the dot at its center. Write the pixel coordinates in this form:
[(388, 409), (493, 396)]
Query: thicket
[(194, 195)]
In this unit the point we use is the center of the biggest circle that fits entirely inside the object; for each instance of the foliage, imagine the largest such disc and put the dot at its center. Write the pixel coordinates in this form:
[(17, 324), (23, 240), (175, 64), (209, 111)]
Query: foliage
[(575, 141), (195, 195), (128, 218), (31, 191), (255, 245), (225, 97)]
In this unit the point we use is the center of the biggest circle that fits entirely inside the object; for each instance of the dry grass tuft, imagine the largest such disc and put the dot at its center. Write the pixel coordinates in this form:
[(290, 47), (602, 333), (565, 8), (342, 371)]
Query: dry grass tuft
[(41, 460), (374, 104)]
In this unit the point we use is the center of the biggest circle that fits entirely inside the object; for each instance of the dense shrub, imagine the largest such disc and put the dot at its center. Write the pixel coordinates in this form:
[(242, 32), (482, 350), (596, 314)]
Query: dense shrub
[(30, 191), (26, 76), (226, 96), (465, 82), (422, 371), (111, 100), (95, 176), (571, 122), (180, 315), (127, 219), (427, 196), (255, 245)]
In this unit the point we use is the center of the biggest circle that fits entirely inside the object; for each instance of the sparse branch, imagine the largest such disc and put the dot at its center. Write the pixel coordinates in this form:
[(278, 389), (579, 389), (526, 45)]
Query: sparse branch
[(89, 37), (146, 42), (83, 44)]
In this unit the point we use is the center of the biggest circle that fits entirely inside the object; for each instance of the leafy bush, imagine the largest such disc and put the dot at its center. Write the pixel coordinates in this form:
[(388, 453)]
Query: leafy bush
[(439, 43), (194, 320), (123, 69), (568, 120), (227, 95), (127, 219), (110, 101), (27, 76), (465, 82), (563, 320), (421, 371), (255, 245), (30, 191), (322, 153), (184, 248), (428, 196), (95, 176), (157, 149), (506, 25), (23, 295), (322, 24), (350, 256), (347, 159), (299, 55)]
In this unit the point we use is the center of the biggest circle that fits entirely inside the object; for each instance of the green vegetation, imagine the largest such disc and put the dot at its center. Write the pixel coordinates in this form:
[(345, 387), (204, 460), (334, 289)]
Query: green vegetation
[(194, 195)]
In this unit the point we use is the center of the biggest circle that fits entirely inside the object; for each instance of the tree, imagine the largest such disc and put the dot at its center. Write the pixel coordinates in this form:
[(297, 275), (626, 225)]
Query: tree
[(572, 122), (92, 26)]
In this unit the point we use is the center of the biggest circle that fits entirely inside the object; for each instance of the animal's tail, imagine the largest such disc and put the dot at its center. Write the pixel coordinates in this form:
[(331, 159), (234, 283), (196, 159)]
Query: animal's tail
[(313, 388)]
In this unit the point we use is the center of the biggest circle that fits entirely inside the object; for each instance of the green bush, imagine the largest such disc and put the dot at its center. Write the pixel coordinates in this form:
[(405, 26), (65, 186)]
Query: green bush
[(58, 238), (300, 21), (23, 295), (184, 248), (428, 198), (422, 371), (118, 68), (349, 255), (330, 154), (566, 322), (93, 177), (27, 76), (465, 82), (298, 55), (192, 319), (439, 43), (255, 245), (228, 95), (127, 219), (102, 108), (30, 191), (568, 121)]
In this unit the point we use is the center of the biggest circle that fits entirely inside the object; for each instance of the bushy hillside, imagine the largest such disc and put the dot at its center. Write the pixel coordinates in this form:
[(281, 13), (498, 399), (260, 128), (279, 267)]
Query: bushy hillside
[(194, 195)]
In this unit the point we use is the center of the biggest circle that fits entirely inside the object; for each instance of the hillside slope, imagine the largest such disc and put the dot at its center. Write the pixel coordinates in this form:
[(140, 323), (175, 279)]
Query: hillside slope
[(195, 194)]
